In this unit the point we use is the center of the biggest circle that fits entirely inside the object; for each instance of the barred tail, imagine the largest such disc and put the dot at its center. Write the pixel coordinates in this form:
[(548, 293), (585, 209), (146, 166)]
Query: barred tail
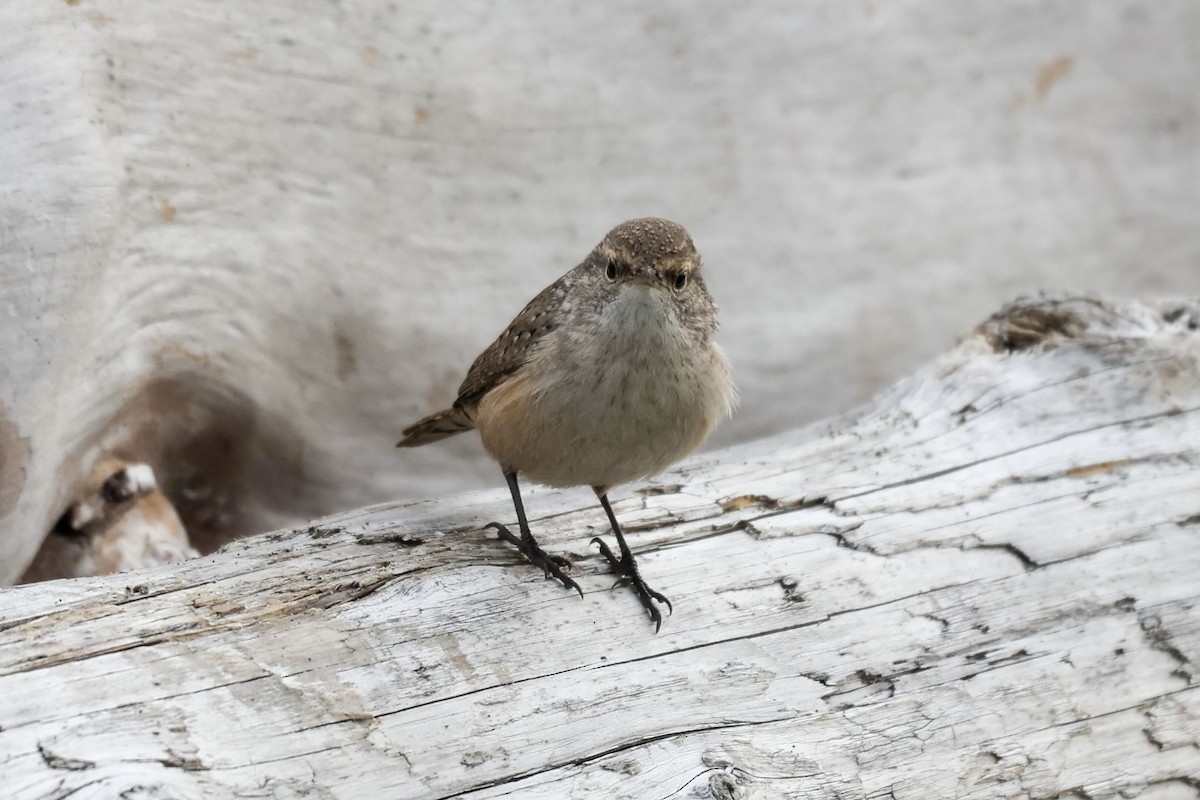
[(436, 426)]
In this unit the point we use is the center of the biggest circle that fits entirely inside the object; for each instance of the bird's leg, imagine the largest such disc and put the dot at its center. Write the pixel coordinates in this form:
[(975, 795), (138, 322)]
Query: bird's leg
[(552, 566), (626, 567)]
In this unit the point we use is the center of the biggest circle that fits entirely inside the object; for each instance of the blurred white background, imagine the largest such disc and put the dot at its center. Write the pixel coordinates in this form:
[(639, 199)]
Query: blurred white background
[(307, 218)]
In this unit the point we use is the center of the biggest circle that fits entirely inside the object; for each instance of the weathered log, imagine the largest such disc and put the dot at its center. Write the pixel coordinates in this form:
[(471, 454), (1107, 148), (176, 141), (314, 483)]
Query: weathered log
[(982, 585)]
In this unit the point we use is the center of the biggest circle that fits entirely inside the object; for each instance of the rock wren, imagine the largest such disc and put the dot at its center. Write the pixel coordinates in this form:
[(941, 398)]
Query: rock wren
[(609, 375)]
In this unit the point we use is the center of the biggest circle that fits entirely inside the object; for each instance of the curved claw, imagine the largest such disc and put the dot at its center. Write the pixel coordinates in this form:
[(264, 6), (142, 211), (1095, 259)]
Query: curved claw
[(656, 618), (568, 583), (662, 598), (646, 594), (627, 573)]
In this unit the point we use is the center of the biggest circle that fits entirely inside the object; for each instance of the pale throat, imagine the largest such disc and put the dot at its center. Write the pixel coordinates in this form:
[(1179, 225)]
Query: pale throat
[(641, 318)]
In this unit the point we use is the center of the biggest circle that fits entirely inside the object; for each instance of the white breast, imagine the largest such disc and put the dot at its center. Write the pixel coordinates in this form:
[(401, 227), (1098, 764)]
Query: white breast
[(609, 402)]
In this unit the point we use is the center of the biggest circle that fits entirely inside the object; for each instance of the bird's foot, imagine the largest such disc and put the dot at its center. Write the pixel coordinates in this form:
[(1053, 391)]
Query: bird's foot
[(552, 566), (627, 570)]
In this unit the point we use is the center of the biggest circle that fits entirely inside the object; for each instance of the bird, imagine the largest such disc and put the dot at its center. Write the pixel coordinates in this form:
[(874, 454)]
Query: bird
[(120, 519), (608, 376)]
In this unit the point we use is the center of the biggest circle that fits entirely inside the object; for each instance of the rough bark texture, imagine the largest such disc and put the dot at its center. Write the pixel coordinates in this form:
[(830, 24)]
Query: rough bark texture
[(983, 585), (245, 243)]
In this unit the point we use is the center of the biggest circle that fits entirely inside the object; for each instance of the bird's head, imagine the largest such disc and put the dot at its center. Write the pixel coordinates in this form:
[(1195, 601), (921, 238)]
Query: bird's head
[(650, 253)]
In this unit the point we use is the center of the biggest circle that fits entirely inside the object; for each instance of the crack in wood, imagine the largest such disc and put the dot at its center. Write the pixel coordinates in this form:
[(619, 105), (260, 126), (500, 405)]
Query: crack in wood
[(55, 761), (186, 763), (347, 592), (1160, 639), (592, 758), (941, 473)]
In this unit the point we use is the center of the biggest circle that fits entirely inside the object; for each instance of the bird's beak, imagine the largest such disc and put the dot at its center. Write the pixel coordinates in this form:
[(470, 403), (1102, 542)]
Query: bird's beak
[(647, 276)]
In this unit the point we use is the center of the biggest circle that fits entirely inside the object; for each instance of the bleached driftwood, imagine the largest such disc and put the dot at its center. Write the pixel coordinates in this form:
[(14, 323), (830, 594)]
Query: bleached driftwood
[(983, 585)]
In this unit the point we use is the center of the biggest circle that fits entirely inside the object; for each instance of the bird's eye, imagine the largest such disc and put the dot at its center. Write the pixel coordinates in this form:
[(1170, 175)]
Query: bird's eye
[(610, 271), (680, 281), (116, 489)]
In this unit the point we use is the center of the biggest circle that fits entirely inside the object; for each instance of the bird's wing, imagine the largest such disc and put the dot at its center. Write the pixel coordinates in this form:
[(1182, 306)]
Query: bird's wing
[(513, 347)]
